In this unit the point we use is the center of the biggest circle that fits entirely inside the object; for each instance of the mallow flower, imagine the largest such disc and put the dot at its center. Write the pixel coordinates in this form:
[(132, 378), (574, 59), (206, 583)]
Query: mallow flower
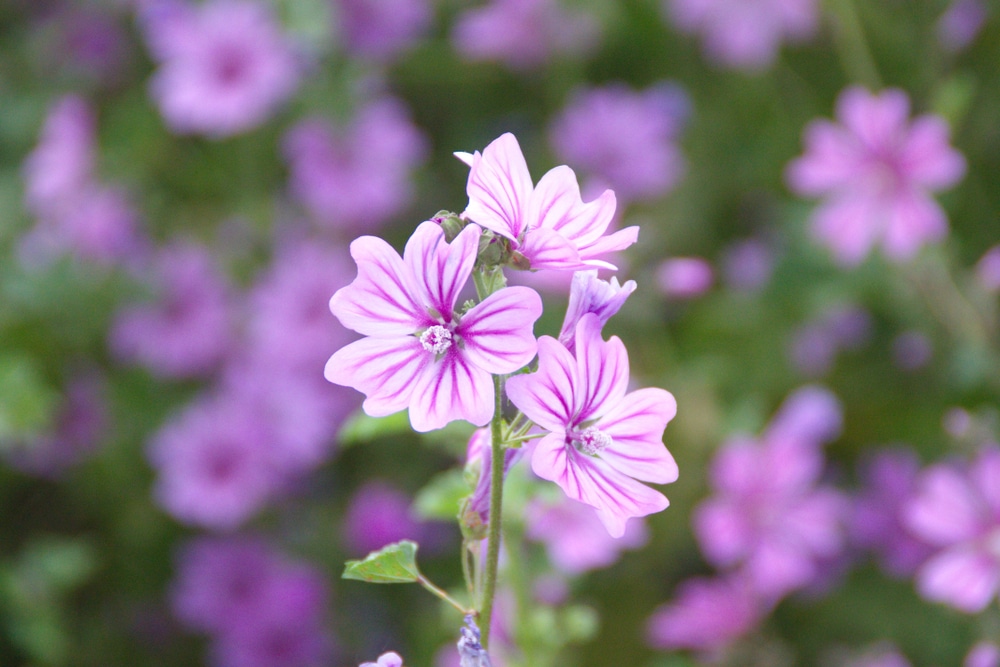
[(590, 294), (602, 443), (420, 352), (548, 224)]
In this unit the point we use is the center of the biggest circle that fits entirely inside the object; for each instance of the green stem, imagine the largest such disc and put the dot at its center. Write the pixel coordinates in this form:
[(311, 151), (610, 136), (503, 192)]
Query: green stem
[(496, 502), (852, 46), (426, 583)]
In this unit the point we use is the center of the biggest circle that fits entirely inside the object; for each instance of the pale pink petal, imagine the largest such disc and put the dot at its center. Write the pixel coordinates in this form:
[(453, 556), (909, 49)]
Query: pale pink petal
[(450, 389), (964, 578), (927, 157), (831, 160), (723, 532), (546, 249), (383, 369), (602, 370), (945, 510), (441, 269), (636, 428), (380, 301), (776, 568), (499, 187), (497, 333), (815, 520), (556, 204), (913, 219), (848, 226), (878, 120), (736, 468), (620, 240), (615, 496), (547, 396)]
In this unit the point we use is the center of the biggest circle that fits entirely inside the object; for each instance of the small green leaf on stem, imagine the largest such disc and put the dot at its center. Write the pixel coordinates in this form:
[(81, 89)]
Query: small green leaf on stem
[(392, 564)]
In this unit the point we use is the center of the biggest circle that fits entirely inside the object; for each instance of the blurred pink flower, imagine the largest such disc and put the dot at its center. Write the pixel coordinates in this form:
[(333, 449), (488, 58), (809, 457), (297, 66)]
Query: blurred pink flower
[(382, 29), (187, 330), (988, 270), (957, 510), (875, 169), (390, 659), (707, 615), (575, 538), (623, 138), (889, 483), (377, 515), (548, 224), (62, 165), (214, 464), (224, 66), (983, 654), (418, 351), (767, 517), (961, 23), (602, 443), (684, 277), (745, 34), (358, 175), (522, 33)]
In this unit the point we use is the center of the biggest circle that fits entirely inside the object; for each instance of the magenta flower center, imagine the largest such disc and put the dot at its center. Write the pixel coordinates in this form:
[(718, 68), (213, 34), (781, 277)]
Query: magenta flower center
[(436, 339), (592, 441)]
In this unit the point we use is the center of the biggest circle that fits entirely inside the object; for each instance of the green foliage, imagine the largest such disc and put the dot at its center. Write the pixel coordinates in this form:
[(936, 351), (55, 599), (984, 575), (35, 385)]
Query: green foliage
[(392, 564)]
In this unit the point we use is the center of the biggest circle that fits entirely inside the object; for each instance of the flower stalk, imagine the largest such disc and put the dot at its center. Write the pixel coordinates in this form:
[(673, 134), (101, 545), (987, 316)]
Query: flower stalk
[(496, 504)]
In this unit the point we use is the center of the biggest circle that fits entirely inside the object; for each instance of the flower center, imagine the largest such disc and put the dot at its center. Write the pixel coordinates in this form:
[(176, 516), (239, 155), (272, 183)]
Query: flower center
[(436, 339), (592, 441)]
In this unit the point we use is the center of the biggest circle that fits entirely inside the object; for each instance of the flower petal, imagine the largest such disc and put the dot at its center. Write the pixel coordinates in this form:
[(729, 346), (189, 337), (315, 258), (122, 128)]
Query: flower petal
[(556, 204), (497, 334), (962, 577), (441, 269), (636, 428), (380, 301), (547, 396), (450, 389), (546, 249), (499, 187), (616, 498), (602, 370), (383, 369), (946, 509)]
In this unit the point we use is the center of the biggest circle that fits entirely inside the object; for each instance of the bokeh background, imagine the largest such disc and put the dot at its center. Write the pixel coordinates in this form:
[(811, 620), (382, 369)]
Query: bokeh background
[(179, 183)]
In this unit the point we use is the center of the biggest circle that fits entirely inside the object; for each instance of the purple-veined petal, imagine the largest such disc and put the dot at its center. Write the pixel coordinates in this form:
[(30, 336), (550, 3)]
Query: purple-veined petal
[(602, 370), (620, 240), (441, 269), (380, 301), (497, 333), (636, 428), (616, 497), (383, 369), (450, 389), (547, 396), (546, 249), (589, 294), (499, 187), (556, 204)]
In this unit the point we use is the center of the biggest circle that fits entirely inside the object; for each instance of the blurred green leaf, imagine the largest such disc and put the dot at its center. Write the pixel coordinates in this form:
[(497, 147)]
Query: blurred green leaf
[(442, 497), (26, 401), (362, 428), (393, 564)]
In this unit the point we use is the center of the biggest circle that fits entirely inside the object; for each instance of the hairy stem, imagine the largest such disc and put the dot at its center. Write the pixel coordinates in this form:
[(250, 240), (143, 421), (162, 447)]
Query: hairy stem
[(496, 502), (427, 584)]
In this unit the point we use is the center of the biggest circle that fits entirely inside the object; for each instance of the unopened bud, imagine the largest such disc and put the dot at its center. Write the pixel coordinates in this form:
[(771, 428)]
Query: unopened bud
[(450, 223)]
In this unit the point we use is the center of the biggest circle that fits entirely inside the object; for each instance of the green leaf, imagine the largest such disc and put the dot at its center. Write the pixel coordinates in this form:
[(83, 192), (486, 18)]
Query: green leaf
[(442, 497), (393, 564)]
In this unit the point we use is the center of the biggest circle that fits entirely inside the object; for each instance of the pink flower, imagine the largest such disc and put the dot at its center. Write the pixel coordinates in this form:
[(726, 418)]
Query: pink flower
[(767, 517), (224, 68), (625, 138), (745, 34), (601, 442), (590, 294), (983, 654), (708, 615), (382, 29), (549, 224), (685, 277), (356, 175), (62, 164), (876, 169), (188, 329), (574, 537), (522, 33), (957, 509), (420, 352)]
